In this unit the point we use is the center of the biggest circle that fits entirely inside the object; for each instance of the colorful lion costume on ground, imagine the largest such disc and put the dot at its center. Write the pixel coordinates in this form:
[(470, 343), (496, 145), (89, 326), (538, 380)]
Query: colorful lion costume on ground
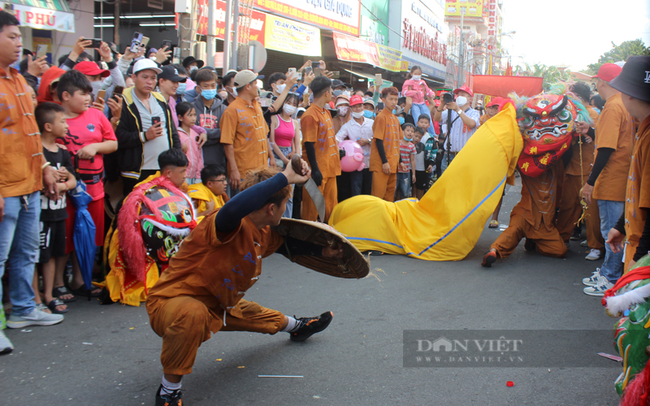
[(151, 224), (447, 222), (629, 299)]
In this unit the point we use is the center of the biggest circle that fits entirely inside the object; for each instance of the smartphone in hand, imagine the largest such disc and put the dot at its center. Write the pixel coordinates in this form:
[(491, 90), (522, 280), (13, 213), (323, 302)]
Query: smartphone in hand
[(154, 121), (41, 50), (96, 43), (118, 91), (135, 42), (101, 95)]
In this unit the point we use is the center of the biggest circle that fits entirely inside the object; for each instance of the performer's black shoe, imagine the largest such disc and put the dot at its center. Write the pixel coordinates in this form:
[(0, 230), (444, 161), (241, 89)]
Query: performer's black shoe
[(311, 325), (169, 400), (489, 258)]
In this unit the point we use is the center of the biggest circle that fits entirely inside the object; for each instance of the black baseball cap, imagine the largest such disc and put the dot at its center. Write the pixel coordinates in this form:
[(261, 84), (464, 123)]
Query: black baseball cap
[(190, 59), (634, 79), (338, 83), (171, 73)]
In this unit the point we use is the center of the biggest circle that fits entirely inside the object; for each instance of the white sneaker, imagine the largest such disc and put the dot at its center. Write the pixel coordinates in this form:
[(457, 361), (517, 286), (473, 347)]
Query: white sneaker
[(5, 345), (594, 255), (35, 318), (584, 244), (593, 279), (599, 290)]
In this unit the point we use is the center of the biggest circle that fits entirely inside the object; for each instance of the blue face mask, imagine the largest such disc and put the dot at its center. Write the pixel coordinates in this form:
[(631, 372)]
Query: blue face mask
[(401, 120), (408, 139), (208, 94), (181, 88), (368, 114)]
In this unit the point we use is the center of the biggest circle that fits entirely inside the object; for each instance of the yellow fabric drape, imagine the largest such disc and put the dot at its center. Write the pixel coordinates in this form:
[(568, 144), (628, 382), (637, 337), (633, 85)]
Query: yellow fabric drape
[(447, 222)]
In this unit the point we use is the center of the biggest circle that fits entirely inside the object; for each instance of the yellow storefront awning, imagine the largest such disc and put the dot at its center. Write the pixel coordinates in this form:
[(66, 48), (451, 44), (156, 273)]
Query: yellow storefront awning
[(44, 14)]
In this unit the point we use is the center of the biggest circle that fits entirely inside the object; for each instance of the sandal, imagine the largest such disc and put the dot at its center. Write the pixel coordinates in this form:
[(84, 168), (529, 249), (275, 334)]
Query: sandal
[(493, 224), (43, 308), (62, 291), (57, 303), (83, 291)]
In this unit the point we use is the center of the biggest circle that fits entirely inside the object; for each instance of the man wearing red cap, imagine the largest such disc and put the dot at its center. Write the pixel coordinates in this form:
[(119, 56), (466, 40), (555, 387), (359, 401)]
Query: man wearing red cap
[(359, 129), (608, 177), (460, 121), (99, 78), (491, 110), (634, 84)]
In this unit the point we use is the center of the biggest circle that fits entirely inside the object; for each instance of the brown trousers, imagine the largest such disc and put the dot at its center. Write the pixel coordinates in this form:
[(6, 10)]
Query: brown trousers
[(184, 324), (547, 241), (330, 193), (383, 186), (571, 210)]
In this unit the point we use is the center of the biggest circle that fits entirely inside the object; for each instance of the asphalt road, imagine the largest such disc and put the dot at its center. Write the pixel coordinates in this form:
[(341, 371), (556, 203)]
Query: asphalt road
[(108, 355)]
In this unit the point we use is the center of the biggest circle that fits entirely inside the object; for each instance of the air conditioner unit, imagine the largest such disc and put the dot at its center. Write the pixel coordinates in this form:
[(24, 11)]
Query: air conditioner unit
[(183, 6)]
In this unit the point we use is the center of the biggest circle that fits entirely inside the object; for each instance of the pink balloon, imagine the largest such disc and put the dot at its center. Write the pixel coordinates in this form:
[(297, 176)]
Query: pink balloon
[(353, 159)]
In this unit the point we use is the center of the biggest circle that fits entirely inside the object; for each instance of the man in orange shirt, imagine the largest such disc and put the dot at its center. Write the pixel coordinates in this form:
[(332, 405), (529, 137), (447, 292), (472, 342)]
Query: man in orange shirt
[(575, 176), (384, 152), (608, 177), (201, 293), (634, 83), (243, 131), (23, 173), (321, 149)]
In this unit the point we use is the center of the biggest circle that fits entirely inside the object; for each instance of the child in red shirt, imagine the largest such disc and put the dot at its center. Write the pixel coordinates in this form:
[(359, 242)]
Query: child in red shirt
[(90, 136), (406, 169)]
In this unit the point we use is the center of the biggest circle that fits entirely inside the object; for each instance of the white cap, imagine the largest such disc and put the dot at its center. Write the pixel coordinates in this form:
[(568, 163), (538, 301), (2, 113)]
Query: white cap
[(144, 64)]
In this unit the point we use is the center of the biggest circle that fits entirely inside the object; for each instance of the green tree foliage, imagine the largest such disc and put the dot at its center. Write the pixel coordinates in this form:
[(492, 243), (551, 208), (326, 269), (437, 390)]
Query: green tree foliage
[(620, 53), (551, 74)]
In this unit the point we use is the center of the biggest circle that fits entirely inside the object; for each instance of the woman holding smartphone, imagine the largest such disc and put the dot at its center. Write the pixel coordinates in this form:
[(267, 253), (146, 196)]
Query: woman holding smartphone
[(284, 137)]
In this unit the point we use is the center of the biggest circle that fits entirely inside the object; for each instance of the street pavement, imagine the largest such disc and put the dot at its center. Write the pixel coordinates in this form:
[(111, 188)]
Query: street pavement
[(108, 355)]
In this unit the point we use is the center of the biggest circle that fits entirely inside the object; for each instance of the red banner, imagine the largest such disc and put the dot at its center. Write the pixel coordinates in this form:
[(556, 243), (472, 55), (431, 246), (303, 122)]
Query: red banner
[(352, 49), (258, 20), (503, 85)]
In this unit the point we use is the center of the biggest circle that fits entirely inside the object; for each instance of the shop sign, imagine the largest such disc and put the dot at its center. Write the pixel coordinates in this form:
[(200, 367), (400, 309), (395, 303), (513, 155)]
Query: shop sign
[(44, 19), (336, 15)]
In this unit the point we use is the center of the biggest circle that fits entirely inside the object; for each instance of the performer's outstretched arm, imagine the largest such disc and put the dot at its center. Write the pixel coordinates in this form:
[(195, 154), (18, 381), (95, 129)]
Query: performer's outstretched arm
[(244, 203)]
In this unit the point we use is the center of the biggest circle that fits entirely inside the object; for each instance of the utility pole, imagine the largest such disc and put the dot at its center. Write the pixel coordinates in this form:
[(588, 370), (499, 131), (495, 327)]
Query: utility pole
[(116, 23), (461, 56), (212, 26), (235, 35), (227, 37)]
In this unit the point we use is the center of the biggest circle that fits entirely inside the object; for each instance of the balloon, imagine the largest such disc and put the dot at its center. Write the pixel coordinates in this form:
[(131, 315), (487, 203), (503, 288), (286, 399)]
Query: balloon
[(353, 158)]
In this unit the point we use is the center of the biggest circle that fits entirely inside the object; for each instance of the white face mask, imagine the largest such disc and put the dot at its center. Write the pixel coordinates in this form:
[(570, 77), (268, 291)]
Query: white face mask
[(234, 92), (416, 77), (280, 88), (461, 101), (343, 110), (289, 109), (97, 86), (347, 93), (193, 68), (357, 114)]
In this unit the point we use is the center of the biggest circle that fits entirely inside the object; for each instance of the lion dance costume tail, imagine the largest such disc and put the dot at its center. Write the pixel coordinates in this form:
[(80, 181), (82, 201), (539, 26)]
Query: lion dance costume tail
[(448, 221)]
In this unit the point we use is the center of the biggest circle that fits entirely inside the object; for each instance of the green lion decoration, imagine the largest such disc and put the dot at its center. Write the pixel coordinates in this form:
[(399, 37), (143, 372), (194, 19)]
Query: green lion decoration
[(629, 299)]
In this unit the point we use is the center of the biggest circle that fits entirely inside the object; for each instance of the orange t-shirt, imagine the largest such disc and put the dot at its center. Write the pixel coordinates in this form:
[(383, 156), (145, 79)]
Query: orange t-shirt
[(21, 152), (386, 128), (615, 130), (243, 126), (316, 126), (637, 195), (216, 272)]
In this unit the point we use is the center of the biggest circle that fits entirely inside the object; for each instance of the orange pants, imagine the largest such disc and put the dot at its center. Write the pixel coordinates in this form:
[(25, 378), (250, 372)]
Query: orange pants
[(383, 186), (547, 241), (184, 324), (571, 209), (330, 193)]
